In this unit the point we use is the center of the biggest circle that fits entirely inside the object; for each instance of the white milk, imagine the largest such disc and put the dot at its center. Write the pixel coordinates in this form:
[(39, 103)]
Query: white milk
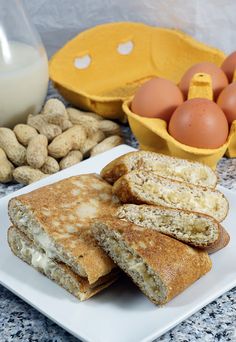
[(23, 82)]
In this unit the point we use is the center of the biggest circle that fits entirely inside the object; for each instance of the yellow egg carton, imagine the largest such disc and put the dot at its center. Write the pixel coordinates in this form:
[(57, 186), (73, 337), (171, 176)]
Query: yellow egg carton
[(152, 133), (101, 68)]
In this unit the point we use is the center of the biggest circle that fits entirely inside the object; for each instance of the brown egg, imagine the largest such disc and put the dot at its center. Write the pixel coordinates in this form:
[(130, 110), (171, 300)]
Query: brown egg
[(229, 65), (227, 102), (199, 123), (218, 77), (157, 98)]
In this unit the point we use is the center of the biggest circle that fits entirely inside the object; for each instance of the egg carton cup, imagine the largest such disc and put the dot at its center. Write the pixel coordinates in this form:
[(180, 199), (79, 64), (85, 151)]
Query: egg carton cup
[(102, 67), (152, 135)]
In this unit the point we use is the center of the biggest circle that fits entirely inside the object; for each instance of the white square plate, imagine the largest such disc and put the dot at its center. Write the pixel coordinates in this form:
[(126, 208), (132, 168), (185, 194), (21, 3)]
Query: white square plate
[(120, 313)]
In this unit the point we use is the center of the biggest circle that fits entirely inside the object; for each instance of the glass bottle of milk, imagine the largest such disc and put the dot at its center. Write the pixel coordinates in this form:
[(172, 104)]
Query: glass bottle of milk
[(23, 65)]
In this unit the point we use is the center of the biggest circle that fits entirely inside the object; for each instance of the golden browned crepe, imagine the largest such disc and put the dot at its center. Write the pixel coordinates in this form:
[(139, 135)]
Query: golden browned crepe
[(161, 266), (57, 218), (59, 272), (170, 167), (221, 242), (196, 229), (146, 187)]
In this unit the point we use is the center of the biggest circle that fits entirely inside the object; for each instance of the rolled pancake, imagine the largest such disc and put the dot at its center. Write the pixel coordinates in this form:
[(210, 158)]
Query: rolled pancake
[(144, 187), (159, 265), (24, 248), (170, 167), (57, 218)]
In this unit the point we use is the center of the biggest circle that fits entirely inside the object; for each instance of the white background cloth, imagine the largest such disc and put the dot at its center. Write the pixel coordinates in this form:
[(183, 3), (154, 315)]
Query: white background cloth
[(210, 21)]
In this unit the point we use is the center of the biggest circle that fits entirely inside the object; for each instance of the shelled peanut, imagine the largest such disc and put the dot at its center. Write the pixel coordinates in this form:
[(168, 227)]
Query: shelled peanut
[(53, 140)]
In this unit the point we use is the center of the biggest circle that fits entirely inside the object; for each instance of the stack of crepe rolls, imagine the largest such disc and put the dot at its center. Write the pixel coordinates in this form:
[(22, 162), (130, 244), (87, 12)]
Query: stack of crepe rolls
[(173, 196), (51, 231), (170, 222)]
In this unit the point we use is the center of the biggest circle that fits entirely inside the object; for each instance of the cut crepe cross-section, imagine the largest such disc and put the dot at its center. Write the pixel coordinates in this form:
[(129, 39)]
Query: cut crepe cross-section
[(57, 218), (165, 166), (196, 229), (62, 274), (161, 266), (140, 187)]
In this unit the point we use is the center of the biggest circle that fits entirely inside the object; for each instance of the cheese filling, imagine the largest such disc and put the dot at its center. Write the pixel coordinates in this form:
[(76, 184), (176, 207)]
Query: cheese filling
[(133, 264), (41, 238), (38, 259)]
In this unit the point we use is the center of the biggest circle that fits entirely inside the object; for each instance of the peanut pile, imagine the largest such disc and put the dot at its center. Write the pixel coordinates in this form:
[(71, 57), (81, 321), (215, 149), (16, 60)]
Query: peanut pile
[(53, 140)]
